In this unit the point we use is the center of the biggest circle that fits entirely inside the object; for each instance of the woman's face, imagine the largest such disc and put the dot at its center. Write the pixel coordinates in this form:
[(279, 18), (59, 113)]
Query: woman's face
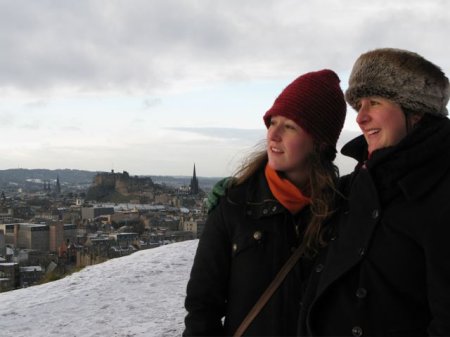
[(288, 147), (382, 122)]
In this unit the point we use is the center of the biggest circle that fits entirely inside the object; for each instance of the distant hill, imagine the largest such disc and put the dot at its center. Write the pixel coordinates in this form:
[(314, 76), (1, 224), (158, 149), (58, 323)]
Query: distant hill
[(205, 183), (67, 175), (27, 177), (121, 187)]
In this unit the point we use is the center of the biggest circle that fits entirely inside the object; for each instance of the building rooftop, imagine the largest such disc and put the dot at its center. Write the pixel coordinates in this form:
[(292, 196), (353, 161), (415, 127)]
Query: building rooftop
[(26, 224), (31, 268)]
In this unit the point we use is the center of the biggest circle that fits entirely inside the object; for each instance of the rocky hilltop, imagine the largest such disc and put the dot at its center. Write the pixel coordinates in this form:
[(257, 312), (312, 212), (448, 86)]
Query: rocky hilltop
[(121, 187)]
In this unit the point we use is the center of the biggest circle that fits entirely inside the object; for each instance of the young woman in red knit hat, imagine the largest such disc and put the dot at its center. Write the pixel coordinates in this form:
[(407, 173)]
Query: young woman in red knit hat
[(277, 202)]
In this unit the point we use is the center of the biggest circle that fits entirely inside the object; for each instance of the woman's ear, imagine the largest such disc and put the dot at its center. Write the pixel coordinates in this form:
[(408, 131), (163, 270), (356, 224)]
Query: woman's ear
[(415, 118)]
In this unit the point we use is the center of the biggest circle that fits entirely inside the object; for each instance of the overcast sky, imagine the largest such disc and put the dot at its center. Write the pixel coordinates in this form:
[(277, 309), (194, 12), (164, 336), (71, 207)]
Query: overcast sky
[(152, 86)]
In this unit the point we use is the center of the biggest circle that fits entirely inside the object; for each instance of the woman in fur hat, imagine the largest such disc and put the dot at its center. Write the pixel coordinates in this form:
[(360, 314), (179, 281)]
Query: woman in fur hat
[(278, 201), (387, 270)]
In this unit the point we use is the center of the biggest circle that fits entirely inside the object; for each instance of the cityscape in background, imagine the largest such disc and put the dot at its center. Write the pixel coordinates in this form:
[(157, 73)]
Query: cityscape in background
[(56, 222)]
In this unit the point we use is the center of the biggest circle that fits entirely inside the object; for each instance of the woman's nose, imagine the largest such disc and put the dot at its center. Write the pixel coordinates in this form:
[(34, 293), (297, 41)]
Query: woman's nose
[(363, 115), (273, 133)]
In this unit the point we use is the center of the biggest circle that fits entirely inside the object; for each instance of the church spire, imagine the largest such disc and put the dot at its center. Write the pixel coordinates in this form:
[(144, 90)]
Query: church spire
[(58, 185), (194, 183)]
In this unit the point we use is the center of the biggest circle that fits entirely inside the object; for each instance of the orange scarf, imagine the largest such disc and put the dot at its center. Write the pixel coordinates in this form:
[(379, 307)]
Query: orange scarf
[(286, 192)]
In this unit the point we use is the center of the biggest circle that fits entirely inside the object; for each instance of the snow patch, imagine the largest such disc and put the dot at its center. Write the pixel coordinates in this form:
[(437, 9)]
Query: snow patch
[(137, 295)]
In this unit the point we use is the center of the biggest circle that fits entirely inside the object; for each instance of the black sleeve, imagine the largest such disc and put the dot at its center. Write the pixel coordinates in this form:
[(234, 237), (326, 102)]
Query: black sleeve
[(207, 288), (437, 254)]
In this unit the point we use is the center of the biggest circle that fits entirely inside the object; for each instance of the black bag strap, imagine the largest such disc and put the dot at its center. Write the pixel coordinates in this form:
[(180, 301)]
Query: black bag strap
[(267, 294)]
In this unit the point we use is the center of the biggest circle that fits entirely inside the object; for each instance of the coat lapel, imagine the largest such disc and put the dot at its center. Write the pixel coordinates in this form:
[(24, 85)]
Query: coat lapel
[(355, 231)]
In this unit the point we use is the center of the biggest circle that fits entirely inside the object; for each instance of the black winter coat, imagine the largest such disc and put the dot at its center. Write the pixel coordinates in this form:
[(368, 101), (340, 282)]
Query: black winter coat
[(387, 271), (246, 240)]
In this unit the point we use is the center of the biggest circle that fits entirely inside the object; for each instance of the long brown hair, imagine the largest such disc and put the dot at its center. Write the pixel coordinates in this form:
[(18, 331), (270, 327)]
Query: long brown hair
[(323, 176)]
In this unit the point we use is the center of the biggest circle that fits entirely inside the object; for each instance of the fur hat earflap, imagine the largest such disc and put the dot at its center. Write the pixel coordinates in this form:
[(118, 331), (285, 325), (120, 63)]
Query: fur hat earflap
[(401, 76)]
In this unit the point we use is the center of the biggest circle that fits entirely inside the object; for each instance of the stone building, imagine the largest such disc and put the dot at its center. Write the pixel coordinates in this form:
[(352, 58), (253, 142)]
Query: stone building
[(32, 236), (9, 276), (61, 233), (90, 213), (2, 244)]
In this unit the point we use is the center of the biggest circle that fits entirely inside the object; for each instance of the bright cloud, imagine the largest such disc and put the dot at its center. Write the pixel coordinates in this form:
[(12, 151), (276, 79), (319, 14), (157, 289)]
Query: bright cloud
[(129, 83)]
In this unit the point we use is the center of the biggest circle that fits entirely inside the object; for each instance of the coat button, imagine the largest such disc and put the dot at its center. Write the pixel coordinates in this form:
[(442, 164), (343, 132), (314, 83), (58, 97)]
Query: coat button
[(274, 208), (319, 268), (375, 213), (257, 235), (234, 247), (265, 211), (361, 293), (357, 331)]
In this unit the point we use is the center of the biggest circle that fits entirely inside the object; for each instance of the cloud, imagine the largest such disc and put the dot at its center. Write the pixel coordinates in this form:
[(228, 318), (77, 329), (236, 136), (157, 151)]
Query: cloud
[(151, 102), (148, 46), (230, 134), (6, 119), (32, 124), (36, 104), (71, 128), (346, 136), (112, 73), (249, 136)]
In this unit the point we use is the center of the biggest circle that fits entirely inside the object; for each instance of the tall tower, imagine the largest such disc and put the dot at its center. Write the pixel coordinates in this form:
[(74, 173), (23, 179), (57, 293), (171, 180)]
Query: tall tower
[(58, 185), (194, 183)]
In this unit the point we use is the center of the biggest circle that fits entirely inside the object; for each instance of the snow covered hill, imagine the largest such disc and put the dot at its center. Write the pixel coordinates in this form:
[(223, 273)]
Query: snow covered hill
[(137, 295)]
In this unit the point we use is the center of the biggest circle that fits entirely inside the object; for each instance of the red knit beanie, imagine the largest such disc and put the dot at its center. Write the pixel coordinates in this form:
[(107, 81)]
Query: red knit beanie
[(316, 103)]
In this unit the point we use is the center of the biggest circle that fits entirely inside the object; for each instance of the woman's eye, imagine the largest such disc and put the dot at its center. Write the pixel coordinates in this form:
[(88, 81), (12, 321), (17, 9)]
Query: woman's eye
[(289, 126)]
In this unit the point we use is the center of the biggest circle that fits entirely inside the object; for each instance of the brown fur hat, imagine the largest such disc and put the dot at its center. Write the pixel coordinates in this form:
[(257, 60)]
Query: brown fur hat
[(404, 77)]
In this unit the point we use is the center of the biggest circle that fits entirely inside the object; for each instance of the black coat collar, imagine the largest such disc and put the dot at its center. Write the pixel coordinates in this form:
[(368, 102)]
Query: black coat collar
[(416, 164), (255, 196)]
